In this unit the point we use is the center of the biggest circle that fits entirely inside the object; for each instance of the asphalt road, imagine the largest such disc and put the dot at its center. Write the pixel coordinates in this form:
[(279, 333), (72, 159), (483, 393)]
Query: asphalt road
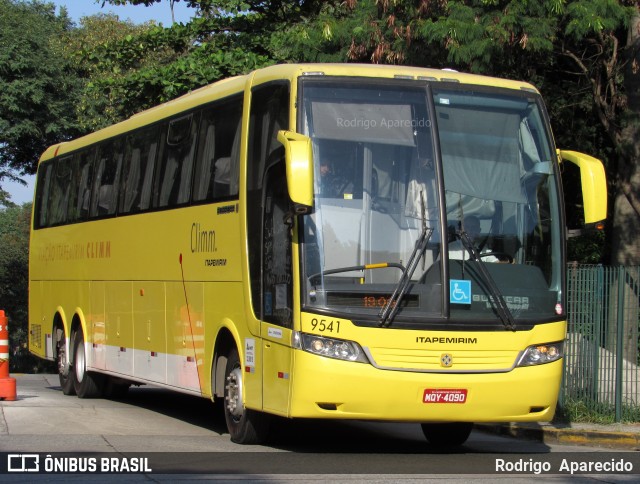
[(168, 437)]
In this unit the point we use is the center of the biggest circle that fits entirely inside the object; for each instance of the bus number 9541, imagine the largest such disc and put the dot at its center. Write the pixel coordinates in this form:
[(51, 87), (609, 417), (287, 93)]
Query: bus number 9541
[(325, 326)]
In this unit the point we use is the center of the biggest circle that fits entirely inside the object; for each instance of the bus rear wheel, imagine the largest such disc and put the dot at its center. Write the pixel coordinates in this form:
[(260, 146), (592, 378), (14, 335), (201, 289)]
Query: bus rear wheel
[(245, 426), (86, 383), (447, 434), (65, 370)]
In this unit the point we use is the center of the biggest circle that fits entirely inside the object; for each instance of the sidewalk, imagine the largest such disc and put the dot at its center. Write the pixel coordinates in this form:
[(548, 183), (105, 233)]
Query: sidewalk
[(613, 436)]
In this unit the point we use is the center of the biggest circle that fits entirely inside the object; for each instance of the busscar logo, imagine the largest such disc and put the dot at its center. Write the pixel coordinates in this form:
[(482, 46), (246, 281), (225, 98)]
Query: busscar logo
[(23, 463)]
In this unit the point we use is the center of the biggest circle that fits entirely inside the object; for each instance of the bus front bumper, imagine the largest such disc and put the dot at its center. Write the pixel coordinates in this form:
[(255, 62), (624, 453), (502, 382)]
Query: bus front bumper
[(328, 388)]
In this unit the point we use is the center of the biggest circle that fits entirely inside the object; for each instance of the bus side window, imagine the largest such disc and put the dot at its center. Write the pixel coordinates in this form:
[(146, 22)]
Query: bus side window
[(61, 187), (277, 285), (217, 160), (174, 173), (139, 162), (105, 188), (41, 218), (269, 114), (81, 185)]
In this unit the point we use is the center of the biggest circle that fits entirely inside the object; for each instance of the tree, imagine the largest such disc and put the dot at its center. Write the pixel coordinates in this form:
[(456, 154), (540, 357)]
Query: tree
[(146, 3), (36, 85), (14, 282), (626, 221), (226, 38), (88, 48), (154, 64), (577, 52)]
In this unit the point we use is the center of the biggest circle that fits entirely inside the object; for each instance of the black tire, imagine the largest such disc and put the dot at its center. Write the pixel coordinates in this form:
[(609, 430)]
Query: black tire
[(86, 383), (245, 426), (65, 373), (447, 434)]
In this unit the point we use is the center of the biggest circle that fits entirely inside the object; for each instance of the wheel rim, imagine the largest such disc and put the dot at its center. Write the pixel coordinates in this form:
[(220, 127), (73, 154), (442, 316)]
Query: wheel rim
[(63, 369), (233, 397), (79, 363)]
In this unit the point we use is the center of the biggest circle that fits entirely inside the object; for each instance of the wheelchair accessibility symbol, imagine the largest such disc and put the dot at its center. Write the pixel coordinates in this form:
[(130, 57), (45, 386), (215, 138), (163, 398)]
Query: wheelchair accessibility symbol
[(459, 291)]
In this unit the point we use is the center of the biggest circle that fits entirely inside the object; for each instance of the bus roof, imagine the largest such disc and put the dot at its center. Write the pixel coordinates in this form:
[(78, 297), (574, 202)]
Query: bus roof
[(236, 85)]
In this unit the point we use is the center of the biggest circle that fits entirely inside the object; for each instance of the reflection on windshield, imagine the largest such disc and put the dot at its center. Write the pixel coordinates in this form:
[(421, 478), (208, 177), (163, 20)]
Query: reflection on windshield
[(374, 148)]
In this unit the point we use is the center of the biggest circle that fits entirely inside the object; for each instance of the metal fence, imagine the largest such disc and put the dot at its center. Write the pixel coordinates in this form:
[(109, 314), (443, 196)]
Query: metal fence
[(601, 367)]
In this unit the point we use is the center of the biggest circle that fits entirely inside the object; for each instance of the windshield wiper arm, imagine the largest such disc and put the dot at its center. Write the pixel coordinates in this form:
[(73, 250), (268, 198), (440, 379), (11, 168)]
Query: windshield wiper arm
[(500, 304), (366, 267), (388, 312)]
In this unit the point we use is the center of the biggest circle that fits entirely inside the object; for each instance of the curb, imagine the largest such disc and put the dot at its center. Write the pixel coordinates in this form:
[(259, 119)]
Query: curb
[(570, 436)]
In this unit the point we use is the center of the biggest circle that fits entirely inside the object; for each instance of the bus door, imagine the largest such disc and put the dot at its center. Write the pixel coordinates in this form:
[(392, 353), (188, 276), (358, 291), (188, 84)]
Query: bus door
[(269, 240), (277, 289)]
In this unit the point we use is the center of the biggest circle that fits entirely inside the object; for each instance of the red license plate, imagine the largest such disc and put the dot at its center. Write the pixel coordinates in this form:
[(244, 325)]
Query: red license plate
[(439, 395)]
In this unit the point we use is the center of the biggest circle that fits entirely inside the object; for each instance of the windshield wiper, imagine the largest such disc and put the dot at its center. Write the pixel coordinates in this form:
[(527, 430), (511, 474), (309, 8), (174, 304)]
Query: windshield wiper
[(496, 296), (388, 312), (366, 267)]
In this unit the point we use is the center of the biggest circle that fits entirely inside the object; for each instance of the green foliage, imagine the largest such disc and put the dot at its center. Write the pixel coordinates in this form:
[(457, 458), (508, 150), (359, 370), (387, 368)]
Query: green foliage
[(579, 410), (573, 51), (89, 49), (36, 88), (5, 198), (588, 248), (14, 282), (588, 17), (143, 66), (14, 259)]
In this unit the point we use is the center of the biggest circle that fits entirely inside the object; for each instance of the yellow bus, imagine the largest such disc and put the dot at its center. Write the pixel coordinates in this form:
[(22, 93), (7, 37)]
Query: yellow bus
[(315, 241)]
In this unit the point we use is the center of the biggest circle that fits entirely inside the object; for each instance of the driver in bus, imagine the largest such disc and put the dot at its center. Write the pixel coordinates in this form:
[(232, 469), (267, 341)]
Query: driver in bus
[(457, 250), (333, 185)]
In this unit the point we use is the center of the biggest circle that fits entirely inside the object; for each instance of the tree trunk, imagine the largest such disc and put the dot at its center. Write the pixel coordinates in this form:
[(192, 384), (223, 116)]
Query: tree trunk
[(626, 218)]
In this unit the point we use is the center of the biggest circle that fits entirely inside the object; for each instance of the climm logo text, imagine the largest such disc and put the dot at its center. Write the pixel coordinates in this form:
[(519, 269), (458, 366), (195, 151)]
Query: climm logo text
[(202, 239)]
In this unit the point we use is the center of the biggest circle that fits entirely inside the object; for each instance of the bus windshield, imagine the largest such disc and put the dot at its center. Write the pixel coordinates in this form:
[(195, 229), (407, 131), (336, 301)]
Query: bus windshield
[(396, 159)]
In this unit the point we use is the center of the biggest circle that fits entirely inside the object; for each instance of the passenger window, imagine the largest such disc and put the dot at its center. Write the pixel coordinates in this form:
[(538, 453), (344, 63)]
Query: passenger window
[(108, 164), (141, 148), (174, 175), (81, 185), (45, 170), (217, 161), (61, 188)]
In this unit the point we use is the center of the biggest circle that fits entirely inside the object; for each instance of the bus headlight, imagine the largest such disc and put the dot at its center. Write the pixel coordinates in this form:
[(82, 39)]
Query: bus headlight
[(541, 354), (330, 347)]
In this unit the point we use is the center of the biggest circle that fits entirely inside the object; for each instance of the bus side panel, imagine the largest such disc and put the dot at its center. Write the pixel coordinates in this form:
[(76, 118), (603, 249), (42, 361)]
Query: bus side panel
[(96, 320), (74, 298), (119, 327), (224, 307), (185, 336), (149, 331), (39, 327), (277, 368)]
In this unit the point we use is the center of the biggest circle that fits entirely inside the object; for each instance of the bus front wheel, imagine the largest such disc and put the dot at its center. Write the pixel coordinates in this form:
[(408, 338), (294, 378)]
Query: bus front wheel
[(245, 426), (447, 434)]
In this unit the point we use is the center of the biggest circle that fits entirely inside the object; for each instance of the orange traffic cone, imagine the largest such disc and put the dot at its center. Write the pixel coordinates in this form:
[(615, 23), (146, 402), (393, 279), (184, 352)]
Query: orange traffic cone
[(7, 384)]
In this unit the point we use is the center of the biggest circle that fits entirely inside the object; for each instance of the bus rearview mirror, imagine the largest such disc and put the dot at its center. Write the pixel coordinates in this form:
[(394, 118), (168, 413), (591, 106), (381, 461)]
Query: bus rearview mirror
[(594, 184), (299, 165)]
